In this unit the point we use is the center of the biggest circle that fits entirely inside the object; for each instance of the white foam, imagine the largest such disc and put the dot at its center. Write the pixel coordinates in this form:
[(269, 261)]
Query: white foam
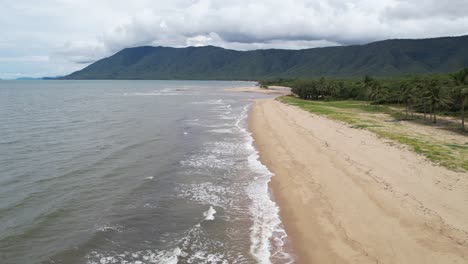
[(151, 94), (210, 102), (223, 125), (223, 147), (148, 205), (227, 117), (201, 251), (107, 227), (204, 257), (209, 215), (267, 234), (171, 256), (149, 178), (221, 107), (206, 193), (165, 90), (139, 257), (222, 131), (207, 161)]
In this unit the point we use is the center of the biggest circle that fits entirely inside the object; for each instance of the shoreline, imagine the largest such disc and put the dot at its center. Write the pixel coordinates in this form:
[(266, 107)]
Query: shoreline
[(273, 90), (347, 196)]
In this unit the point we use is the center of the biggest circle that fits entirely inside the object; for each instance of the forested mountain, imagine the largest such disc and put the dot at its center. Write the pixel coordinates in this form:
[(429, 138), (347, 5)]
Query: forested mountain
[(383, 58)]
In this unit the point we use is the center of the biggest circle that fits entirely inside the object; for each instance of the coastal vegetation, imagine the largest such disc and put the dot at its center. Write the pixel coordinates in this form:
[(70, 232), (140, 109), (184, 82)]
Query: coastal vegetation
[(422, 112), (420, 98)]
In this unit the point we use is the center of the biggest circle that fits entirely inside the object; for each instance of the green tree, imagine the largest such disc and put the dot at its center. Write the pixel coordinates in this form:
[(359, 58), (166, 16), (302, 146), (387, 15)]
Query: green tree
[(368, 83), (460, 79), (434, 94), (378, 93), (405, 94)]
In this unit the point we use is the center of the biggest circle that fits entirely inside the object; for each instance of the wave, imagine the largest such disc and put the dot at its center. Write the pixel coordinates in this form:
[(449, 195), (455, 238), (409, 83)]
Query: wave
[(191, 248), (151, 94), (268, 236), (207, 193), (222, 131), (160, 257), (209, 215), (161, 92), (108, 227), (266, 233), (208, 161), (210, 102)]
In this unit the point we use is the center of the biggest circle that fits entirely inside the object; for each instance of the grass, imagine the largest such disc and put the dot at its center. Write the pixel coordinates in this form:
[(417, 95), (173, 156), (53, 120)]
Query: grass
[(451, 156), (361, 115), (332, 110)]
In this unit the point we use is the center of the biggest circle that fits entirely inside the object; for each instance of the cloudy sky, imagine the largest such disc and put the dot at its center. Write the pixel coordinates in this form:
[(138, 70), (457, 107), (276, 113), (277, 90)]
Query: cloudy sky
[(56, 37)]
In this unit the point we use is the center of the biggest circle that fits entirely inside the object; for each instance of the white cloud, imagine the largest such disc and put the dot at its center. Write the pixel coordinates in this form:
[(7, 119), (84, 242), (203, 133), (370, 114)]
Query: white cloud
[(427, 9), (77, 32), (25, 59)]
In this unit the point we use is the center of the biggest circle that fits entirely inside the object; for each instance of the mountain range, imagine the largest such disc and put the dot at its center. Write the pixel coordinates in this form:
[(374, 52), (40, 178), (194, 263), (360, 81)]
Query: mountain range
[(394, 57)]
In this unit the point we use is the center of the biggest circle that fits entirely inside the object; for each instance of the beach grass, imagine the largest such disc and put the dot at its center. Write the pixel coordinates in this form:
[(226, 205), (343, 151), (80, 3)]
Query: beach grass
[(381, 121)]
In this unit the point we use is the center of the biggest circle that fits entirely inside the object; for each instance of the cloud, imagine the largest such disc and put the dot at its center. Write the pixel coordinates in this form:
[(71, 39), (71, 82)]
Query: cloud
[(81, 52), (80, 32), (25, 59), (214, 39), (276, 24), (428, 10)]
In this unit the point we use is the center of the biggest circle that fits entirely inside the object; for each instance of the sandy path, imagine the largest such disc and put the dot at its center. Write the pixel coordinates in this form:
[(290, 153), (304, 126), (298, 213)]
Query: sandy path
[(347, 196)]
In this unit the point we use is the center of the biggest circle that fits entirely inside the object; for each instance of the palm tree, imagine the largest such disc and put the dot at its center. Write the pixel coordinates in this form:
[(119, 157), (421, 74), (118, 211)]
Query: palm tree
[(405, 94), (378, 93), (432, 91), (368, 83), (461, 81), (420, 96), (464, 97), (322, 88), (332, 89)]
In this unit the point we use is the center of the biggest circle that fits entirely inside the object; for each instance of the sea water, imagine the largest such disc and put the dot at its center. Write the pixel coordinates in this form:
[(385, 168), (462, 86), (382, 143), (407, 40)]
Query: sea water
[(133, 172)]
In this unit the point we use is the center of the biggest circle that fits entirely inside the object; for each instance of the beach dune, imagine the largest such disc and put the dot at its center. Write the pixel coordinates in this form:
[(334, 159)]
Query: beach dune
[(347, 196)]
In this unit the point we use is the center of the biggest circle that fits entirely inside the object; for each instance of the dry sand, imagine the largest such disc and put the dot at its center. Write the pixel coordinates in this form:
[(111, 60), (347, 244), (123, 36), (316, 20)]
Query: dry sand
[(347, 196)]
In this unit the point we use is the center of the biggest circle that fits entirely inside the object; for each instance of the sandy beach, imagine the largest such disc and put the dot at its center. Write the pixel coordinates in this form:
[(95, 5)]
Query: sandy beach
[(347, 196)]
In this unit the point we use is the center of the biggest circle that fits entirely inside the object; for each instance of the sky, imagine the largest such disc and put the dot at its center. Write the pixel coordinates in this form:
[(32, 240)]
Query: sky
[(56, 37)]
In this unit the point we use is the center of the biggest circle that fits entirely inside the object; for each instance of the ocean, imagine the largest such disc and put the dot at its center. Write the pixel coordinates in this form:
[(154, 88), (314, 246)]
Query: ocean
[(133, 172)]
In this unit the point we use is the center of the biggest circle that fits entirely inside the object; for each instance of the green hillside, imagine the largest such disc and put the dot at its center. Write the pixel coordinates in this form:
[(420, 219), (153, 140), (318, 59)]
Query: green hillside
[(382, 58)]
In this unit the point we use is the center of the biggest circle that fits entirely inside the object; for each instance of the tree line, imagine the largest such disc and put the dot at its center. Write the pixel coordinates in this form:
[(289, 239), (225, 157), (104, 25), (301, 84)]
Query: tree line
[(428, 94)]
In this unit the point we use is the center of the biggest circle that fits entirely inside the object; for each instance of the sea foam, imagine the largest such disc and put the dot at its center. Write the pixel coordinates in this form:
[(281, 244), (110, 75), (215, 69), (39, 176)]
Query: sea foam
[(267, 233), (209, 215)]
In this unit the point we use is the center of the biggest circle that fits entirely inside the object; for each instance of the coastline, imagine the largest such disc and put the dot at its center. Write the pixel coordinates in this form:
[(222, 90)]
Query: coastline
[(347, 196), (273, 90)]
